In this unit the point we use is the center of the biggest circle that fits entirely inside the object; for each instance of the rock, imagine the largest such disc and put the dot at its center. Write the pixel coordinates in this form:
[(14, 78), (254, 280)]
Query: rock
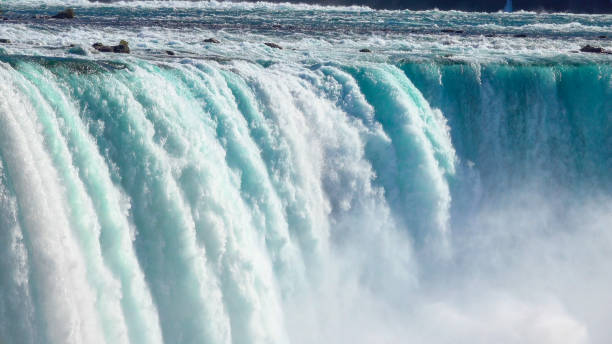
[(170, 52), (451, 31), (211, 40), (4, 41), (122, 48), (102, 48), (520, 35), (603, 36), (365, 50), (273, 45), (596, 50), (65, 14)]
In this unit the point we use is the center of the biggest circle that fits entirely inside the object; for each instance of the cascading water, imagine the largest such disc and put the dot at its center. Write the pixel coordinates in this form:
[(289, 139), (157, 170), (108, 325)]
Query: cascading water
[(302, 198)]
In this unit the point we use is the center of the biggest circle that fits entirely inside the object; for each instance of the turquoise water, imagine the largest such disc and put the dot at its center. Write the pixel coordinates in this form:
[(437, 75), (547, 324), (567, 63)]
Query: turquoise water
[(444, 188)]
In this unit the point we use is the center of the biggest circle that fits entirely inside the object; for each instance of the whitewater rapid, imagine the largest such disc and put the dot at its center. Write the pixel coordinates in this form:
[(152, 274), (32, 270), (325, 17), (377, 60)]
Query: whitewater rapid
[(445, 188)]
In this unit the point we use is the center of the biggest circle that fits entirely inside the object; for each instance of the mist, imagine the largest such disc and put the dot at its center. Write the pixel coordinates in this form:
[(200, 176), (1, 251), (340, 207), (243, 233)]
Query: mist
[(574, 6)]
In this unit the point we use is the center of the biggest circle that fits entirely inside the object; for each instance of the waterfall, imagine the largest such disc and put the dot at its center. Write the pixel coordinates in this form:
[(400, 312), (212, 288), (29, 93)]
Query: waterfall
[(208, 202)]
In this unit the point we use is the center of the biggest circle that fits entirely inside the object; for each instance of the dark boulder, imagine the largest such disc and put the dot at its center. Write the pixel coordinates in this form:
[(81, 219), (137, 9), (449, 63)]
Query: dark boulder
[(170, 52), (102, 48), (596, 50), (365, 50), (211, 40), (273, 45), (603, 36), (451, 31), (4, 41), (520, 35), (122, 48), (66, 14)]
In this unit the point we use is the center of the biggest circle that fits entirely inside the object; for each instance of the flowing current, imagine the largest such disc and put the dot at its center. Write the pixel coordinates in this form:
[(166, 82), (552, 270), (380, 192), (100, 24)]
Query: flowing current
[(453, 185)]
